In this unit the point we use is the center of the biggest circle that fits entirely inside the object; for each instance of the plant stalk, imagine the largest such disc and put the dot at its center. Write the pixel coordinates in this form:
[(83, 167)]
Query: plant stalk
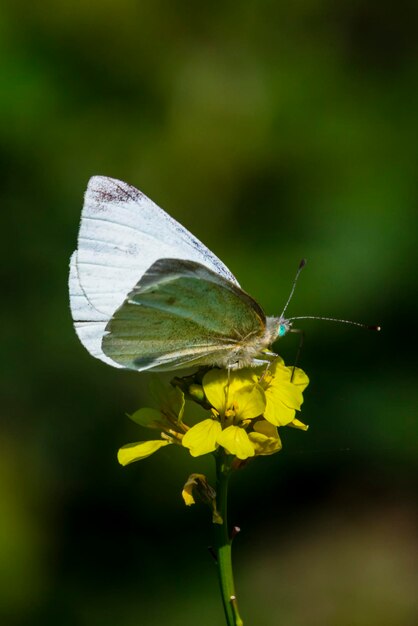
[(223, 543)]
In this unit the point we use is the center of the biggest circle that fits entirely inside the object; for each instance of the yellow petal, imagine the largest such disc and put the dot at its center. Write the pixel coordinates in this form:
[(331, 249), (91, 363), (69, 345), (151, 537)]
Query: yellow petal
[(278, 413), (291, 374), (299, 378), (266, 428), (289, 394), (240, 391), (215, 385), (202, 437), (277, 383), (235, 440), (187, 495), (207, 494), (249, 402), (283, 396), (242, 377), (140, 450), (187, 492), (264, 445), (277, 368), (298, 424), (265, 438)]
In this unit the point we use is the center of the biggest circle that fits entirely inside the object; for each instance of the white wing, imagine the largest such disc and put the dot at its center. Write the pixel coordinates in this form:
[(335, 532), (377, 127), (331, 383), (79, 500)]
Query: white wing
[(122, 233), (89, 323)]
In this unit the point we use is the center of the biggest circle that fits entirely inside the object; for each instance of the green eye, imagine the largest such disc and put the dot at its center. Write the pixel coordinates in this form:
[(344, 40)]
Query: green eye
[(282, 330)]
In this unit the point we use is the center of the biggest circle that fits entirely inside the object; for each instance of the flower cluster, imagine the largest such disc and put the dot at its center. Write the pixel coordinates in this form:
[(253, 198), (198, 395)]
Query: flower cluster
[(246, 408)]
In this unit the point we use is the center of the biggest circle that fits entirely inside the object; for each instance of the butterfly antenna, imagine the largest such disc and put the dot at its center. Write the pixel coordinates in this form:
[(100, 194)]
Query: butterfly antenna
[(333, 319), (301, 266)]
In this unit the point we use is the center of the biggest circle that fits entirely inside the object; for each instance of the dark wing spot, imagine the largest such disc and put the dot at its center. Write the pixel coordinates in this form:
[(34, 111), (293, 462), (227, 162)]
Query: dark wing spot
[(144, 361), (116, 191)]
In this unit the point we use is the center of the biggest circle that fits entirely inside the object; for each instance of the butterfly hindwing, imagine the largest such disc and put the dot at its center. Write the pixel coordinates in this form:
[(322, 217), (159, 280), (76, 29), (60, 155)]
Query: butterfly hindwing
[(181, 314)]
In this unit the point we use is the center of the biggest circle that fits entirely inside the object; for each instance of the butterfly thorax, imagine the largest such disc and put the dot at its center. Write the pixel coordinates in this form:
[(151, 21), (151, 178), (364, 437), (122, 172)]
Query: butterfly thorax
[(251, 352)]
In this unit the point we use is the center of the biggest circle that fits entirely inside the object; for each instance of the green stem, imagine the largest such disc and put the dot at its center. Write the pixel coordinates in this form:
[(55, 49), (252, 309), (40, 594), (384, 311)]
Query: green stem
[(223, 543)]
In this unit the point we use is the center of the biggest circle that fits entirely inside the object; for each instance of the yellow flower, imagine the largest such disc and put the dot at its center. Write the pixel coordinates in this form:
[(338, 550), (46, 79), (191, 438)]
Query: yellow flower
[(236, 398), (283, 393), (247, 407)]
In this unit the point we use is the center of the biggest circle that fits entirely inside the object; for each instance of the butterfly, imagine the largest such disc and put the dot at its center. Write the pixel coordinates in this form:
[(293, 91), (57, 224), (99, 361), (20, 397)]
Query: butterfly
[(145, 294)]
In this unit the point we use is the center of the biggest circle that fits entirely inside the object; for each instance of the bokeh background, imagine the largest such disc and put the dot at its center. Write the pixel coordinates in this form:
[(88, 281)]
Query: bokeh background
[(273, 131)]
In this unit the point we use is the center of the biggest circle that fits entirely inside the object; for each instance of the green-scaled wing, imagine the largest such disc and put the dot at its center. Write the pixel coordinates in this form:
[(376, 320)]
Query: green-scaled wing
[(182, 314)]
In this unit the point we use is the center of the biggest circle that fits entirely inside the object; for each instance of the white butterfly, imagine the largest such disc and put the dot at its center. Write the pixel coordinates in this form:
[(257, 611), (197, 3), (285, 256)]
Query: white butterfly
[(145, 294)]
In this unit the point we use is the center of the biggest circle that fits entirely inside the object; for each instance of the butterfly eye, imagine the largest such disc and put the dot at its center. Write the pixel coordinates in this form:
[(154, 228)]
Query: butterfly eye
[(282, 330)]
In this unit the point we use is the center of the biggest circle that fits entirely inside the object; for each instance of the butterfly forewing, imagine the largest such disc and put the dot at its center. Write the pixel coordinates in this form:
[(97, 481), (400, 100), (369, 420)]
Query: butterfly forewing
[(181, 314), (89, 323), (122, 233)]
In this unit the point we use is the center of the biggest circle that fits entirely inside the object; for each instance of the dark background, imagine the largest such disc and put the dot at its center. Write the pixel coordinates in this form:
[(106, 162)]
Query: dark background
[(272, 131)]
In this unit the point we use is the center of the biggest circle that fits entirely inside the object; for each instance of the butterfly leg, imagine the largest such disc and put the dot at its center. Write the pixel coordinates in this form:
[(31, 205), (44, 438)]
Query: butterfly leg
[(302, 338)]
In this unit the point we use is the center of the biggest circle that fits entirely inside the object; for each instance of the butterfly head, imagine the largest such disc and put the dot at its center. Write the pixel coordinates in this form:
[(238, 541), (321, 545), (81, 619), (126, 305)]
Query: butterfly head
[(284, 327)]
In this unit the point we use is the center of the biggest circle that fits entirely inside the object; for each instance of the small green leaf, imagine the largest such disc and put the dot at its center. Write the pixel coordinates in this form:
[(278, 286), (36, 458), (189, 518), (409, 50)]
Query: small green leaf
[(177, 402), (170, 400), (149, 418)]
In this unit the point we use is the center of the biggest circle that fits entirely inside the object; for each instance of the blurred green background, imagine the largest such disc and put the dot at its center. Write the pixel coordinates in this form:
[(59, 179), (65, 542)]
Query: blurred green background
[(272, 131)]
